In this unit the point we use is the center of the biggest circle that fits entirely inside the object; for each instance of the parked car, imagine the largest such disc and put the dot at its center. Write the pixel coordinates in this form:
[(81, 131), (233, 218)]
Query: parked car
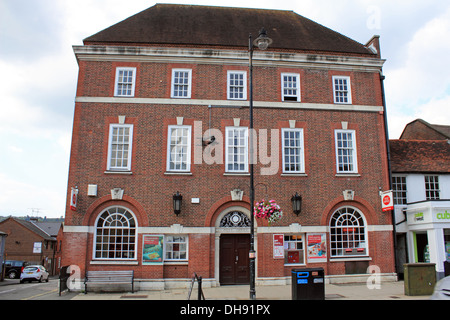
[(442, 289), (13, 268), (34, 272)]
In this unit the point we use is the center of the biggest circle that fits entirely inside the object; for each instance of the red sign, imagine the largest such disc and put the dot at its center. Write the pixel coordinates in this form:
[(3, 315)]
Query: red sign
[(73, 199), (387, 202)]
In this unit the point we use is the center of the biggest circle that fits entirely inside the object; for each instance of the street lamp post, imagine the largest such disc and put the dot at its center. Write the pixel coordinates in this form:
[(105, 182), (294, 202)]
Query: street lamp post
[(262, 42)]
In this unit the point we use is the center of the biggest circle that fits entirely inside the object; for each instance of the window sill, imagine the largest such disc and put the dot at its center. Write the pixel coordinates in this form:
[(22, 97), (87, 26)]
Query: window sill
[(177, 263), (236, 174), (294, 174), (344, 259), (174, 173), (348, 174), (118, 172), (114, 262)]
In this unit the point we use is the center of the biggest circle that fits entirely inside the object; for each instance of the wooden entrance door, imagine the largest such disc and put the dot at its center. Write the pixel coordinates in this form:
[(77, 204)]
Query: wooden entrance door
[(234, 260)]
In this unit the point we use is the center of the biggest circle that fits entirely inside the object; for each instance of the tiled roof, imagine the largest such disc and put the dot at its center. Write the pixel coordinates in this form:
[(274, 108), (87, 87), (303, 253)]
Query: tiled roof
[(192, 25), (420, 156), (421, 130)]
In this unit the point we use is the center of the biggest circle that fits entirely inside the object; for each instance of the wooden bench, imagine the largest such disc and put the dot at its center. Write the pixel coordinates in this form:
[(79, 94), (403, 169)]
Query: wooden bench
[(109, 277)]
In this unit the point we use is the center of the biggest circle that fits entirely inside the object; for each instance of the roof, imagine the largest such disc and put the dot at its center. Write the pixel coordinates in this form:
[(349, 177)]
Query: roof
[(193, 25), (33, 228), (422, 156), (421, 130), (52, 228)]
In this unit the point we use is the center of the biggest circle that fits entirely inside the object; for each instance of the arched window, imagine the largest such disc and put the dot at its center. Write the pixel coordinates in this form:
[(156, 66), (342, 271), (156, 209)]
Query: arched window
[(115, 236), (348, 233), (235, 219)]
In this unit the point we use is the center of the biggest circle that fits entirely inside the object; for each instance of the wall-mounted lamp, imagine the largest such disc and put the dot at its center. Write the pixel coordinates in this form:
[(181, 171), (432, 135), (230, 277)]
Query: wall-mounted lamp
[(296, 203), (177, 199)]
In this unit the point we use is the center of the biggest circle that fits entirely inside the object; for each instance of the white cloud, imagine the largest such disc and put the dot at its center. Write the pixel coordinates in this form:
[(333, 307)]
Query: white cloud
[(17, 198), (420, 87)]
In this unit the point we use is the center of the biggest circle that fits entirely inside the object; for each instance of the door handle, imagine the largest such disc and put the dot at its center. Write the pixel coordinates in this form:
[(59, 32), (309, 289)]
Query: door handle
[(237, 259)]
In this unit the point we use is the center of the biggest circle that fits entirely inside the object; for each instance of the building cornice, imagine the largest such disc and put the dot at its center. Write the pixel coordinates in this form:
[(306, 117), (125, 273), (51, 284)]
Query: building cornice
[(229, 57)]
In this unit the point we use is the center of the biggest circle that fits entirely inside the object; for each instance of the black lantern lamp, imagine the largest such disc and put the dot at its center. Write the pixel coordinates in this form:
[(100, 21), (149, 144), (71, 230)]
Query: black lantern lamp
[(296, 203), (177, 199)]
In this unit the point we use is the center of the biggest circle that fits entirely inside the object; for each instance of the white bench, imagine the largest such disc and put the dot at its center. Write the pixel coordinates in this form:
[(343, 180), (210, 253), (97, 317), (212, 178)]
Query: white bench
[(109, 277)]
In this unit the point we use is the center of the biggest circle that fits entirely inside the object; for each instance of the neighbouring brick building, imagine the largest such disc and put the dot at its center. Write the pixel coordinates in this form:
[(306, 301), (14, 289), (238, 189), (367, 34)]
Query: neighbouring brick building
[(152, 92), (421, 182), (33, 242)]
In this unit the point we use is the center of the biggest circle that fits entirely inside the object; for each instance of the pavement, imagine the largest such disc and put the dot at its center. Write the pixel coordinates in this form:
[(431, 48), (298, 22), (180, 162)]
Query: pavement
[(351, 291)]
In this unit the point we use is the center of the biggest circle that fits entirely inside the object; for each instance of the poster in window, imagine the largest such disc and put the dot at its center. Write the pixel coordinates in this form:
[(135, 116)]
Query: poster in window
[(317, 247), (152, 249), (278, 246)]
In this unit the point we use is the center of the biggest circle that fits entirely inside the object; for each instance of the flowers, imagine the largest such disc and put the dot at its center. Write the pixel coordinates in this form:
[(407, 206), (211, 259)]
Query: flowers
[(269, 210)]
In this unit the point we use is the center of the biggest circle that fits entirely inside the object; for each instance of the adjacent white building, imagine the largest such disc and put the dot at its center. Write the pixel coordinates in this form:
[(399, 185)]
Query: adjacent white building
[(421, 184)]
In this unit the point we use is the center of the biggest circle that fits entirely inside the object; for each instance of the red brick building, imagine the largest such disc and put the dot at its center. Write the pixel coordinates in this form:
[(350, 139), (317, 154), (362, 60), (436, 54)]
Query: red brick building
[(152, 92)]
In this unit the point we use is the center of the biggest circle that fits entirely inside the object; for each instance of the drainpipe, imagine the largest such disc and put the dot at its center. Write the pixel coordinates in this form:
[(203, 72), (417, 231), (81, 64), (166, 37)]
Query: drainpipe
[(388, 152)]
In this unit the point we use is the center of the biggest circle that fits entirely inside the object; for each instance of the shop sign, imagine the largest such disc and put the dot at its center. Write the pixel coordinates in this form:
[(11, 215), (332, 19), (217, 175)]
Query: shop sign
[(418, 216), (443, 216), (37, 247), (387, 200)]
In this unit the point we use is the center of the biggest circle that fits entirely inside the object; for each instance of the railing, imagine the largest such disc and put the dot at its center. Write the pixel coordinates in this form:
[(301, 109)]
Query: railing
[(200, 295)]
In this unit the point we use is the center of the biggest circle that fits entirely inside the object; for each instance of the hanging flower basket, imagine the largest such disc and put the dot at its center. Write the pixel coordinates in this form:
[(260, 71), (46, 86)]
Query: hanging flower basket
[(269, 210)]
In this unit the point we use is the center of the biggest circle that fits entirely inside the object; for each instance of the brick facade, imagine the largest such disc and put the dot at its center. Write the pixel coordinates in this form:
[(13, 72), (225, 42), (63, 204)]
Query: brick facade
[(148, 187)]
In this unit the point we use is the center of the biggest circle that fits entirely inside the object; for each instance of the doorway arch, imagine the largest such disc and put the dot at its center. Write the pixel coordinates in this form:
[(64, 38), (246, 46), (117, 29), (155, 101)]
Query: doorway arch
[(232, 223)]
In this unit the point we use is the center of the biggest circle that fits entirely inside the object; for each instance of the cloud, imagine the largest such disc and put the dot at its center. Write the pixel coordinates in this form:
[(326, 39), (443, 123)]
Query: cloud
[(18, 198), (420, 86)]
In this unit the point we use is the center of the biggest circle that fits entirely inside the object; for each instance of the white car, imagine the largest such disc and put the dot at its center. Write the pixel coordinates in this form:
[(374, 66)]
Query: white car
[(34, 272), (442, 290)]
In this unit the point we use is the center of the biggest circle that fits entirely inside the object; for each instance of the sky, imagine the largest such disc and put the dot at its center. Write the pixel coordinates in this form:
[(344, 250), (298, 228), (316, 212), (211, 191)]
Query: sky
[(38, 76)]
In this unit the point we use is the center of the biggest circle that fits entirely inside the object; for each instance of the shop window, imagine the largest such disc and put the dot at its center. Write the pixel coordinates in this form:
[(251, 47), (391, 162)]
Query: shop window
[(176, 248), (348, 233), (294, 252), (115, 235)]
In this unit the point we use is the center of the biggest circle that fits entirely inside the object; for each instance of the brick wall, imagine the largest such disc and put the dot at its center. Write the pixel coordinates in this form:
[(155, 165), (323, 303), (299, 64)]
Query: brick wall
[(148, 190)]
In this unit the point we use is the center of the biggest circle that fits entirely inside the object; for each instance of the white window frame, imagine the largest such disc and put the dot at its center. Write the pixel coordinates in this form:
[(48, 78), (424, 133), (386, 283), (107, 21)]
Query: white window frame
[(399, 189), (110, 147), (117, 83), (167, 243), (230, 85), (170, 148), (116, 213), (296, 88), (348, 91), (432, 191), (301, 153), (346, 233), (228, 155), (353, 150), (189, 84)]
